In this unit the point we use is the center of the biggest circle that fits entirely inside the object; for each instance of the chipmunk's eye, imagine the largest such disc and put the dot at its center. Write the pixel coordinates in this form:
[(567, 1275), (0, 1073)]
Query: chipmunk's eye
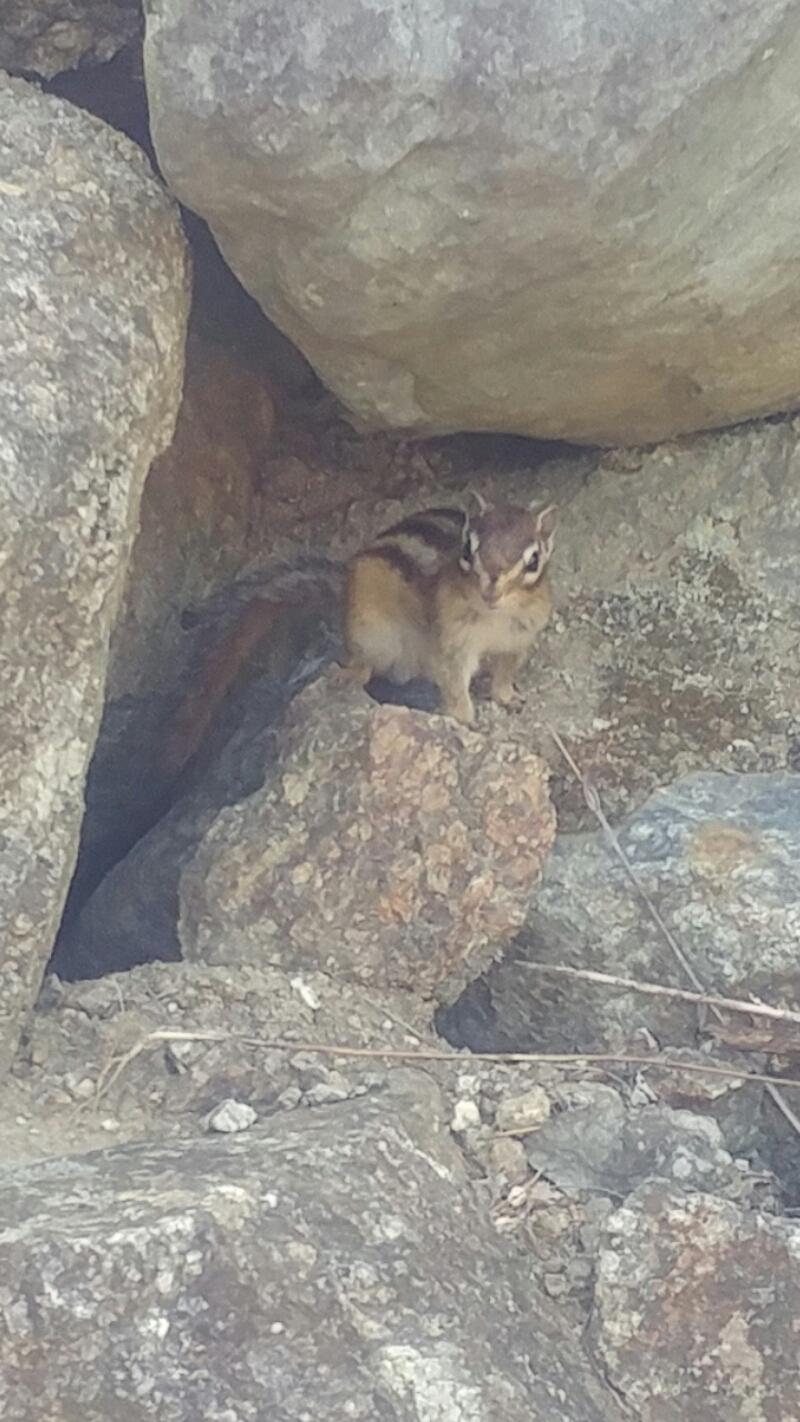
[(532, 561)]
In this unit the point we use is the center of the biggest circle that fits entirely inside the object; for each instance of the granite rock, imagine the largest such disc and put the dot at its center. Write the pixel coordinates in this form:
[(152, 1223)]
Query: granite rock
[(334, 1265), (502, 217), (394, 847), (93, 305), (695, 1309)]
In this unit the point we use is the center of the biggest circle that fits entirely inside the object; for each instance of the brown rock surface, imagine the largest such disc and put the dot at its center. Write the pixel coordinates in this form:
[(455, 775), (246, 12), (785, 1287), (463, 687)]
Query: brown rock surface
[(392, 846), (696, 1310)]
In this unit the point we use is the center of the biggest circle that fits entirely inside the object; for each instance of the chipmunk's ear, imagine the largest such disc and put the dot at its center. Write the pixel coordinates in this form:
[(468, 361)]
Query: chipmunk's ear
[(546, 521)]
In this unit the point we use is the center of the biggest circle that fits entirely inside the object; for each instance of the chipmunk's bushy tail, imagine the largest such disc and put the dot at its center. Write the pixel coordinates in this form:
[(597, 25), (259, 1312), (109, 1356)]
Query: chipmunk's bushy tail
[(286, 606)]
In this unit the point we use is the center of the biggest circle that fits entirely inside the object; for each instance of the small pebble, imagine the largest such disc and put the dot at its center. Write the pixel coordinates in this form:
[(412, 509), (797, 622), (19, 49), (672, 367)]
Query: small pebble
[(290, 1098), (525, 1112), (466, 1116), (306, 993), (231, 1116), (324, 1093), (508, 1159), (179, 1055)]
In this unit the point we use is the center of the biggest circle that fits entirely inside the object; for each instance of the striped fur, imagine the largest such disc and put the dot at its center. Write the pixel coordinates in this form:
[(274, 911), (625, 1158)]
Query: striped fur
[(440, 594)]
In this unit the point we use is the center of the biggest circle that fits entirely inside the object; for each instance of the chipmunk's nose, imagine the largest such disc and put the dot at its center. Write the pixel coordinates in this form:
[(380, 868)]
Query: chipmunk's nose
[(490, 593)]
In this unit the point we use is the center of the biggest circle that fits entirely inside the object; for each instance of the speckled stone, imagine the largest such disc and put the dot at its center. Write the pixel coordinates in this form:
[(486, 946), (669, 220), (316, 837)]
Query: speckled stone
[(93, 305), (390, 846)]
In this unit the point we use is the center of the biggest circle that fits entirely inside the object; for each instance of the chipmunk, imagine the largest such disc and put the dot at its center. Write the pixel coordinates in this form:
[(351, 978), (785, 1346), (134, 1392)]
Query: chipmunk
[(437, 595), (444, 592)]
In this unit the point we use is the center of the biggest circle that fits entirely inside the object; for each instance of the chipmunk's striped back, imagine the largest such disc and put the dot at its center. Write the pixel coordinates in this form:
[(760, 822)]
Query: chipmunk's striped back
[(388, 594), (420, 544)]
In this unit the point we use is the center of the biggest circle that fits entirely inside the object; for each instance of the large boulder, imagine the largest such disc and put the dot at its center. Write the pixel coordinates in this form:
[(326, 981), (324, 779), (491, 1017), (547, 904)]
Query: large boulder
[(514, 217), (334, 1265), (93, 303)]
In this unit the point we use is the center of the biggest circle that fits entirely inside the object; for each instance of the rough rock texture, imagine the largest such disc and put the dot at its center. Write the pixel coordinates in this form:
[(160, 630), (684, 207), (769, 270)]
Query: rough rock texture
[(675, 644), (390, 846), (93, 298), (696, 1310), (598, 1143), (200, 512), (332, 1266), (475, 216), (92, 1072), (45, 37), (719, 855)]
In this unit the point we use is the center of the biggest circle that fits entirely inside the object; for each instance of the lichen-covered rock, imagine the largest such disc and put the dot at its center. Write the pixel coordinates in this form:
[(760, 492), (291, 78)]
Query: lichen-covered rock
[(45, 37), (504, 217), (393, 846), (93, 300), (332, 1265), (696, 1307), (719, 855)]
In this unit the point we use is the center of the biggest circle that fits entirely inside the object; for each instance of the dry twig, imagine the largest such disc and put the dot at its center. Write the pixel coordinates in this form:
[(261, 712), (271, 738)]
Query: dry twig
[(701, 999), (327, 1049)]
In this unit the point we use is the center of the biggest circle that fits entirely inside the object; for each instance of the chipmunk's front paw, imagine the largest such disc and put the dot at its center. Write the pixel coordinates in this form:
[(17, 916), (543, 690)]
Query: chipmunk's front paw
[(506, 695), (352, 674), (461, 710)]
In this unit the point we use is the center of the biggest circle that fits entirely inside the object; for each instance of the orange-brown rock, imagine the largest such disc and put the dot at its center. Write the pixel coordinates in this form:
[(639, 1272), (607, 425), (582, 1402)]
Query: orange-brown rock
[(391, 847)]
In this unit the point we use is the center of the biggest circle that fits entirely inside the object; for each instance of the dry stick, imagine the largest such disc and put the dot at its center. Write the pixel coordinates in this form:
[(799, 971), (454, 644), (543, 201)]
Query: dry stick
[(701, 999), (592, 799), (110, 1074)]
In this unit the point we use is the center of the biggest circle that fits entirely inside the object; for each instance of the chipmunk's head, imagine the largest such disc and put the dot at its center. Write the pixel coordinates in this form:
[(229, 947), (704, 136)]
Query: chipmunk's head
[(506, 549)]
